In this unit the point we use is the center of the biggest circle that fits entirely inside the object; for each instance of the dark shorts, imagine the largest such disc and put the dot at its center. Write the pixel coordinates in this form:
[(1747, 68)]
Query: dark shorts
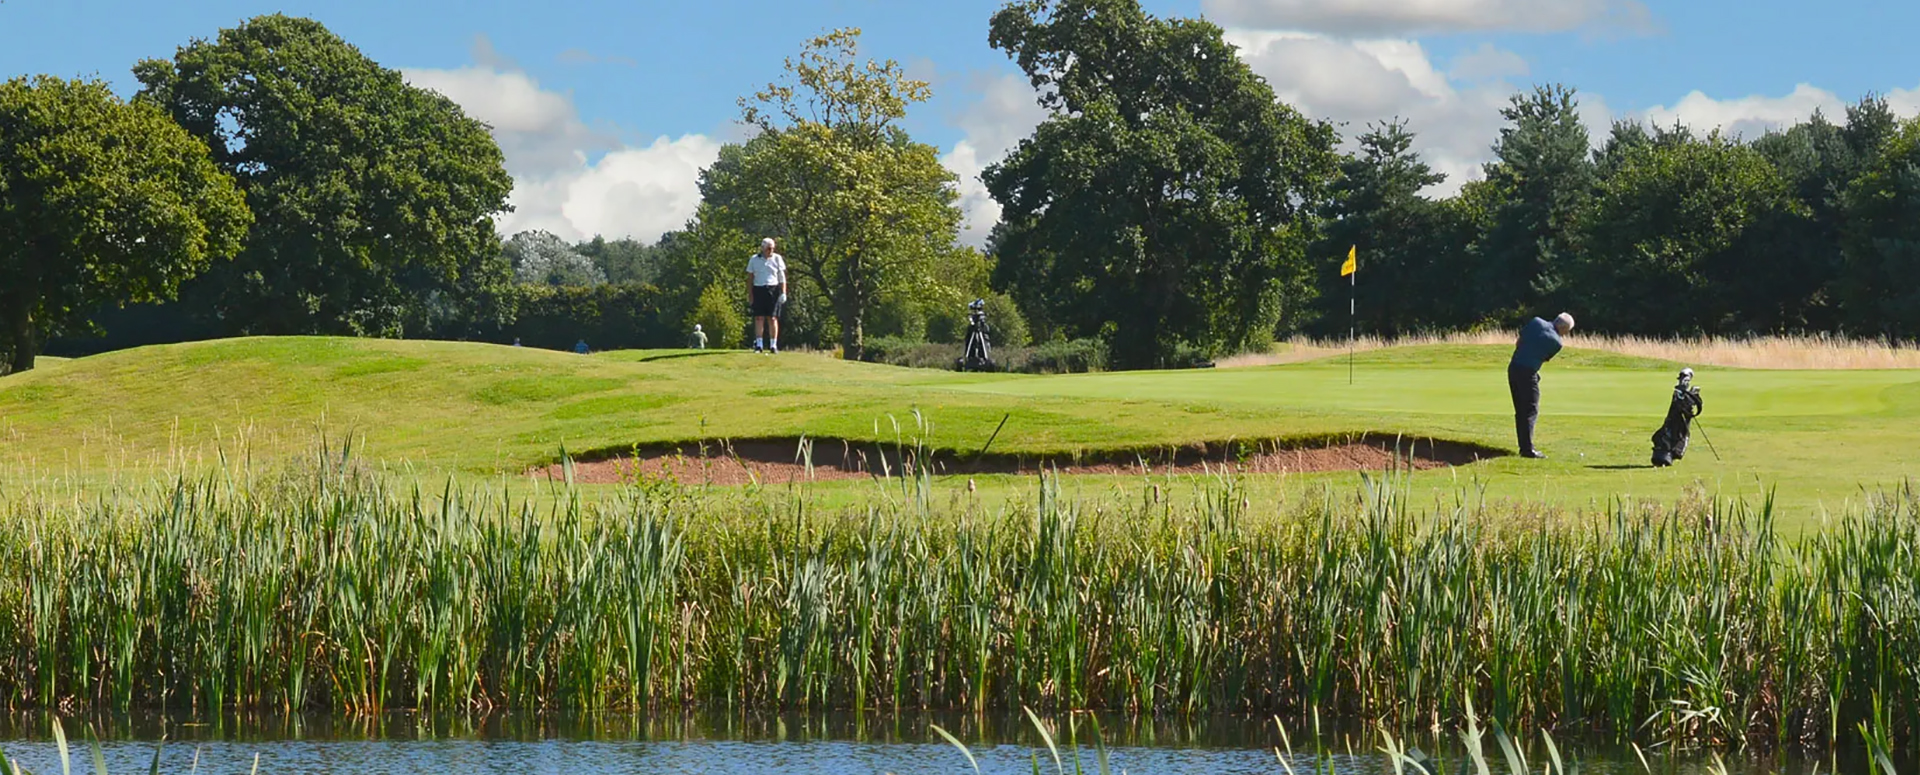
[(766, 301)]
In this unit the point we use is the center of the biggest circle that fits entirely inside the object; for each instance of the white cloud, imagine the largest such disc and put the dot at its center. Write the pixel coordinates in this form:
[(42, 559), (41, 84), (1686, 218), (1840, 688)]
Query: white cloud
[(570, 178), (1488, 63), (1749, 116), (1358, 82), (1376, 18), (1005, 114)]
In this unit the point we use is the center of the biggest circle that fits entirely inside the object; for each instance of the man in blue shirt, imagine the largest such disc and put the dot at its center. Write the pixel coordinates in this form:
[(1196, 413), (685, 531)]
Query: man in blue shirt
[(1539, 342)]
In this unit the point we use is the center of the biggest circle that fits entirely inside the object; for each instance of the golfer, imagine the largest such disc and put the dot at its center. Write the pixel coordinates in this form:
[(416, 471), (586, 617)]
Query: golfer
[(1539, 342), (768, 294), (698, 339)]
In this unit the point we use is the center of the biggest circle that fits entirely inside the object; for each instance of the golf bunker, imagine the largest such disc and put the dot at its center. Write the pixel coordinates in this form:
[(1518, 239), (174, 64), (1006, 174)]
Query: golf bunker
[(783, 460)]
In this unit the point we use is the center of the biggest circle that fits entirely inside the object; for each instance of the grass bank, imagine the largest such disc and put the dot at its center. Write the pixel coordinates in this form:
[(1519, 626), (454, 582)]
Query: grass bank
[(328, 587), (475, 413)]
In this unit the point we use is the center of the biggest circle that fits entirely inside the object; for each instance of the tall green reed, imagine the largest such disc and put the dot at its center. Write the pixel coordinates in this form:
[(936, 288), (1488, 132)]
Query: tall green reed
[(327, 586)]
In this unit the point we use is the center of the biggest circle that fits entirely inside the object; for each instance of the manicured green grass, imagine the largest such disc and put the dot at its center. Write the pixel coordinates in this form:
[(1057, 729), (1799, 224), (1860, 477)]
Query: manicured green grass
[(474, 410)]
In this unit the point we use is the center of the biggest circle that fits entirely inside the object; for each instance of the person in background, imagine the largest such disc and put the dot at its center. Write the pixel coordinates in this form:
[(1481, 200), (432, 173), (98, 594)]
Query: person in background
[(580, 347), (1539, 342), (698, 339), (768, 272)]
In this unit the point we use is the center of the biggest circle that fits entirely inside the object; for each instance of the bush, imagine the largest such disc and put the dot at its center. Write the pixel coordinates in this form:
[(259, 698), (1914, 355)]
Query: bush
[(1071, 356), (912, 353), (1074, 356), (718, 312), (608, 317)]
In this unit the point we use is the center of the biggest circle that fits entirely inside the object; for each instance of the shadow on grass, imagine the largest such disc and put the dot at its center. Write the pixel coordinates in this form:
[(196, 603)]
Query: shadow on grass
[(671, 356)]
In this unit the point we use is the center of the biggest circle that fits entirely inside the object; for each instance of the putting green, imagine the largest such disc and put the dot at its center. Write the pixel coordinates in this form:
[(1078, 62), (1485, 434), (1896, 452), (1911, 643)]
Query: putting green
[(471, 410)]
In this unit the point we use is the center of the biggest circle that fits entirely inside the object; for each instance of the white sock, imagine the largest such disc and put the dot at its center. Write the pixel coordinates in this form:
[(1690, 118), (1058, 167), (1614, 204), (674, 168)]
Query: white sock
[(759, 343), (773, 343)]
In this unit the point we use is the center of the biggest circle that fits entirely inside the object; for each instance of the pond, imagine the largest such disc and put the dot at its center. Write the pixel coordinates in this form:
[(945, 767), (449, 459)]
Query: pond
[(816, 745)]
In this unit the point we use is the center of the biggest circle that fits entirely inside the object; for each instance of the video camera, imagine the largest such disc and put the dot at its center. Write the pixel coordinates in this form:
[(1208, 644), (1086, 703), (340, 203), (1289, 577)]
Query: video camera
[(978, 352)]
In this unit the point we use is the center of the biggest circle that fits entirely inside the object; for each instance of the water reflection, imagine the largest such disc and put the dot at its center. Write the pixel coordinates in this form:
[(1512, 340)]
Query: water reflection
[(834, 744)]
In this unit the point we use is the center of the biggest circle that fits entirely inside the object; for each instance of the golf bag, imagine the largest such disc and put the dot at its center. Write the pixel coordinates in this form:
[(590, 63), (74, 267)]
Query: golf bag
[(978, 355), (1670, 442)]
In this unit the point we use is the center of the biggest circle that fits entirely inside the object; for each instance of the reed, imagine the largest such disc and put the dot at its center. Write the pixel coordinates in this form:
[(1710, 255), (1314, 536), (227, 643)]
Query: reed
[(329, 587)]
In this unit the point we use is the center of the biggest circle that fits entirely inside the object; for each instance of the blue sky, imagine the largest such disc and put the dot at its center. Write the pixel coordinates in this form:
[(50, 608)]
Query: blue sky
[(607, 110)]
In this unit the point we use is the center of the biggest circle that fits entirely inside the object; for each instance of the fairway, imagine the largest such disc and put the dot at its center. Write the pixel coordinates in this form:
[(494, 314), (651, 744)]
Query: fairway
[(475, 411)]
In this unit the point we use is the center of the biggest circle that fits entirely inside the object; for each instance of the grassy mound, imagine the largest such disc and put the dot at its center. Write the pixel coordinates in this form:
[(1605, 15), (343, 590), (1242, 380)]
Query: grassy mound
[(473, 409)]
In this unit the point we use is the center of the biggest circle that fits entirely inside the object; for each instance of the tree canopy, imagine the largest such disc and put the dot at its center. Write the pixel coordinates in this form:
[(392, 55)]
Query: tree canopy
[(859, 208), (103, 204), (368, 194), (1169, 199)]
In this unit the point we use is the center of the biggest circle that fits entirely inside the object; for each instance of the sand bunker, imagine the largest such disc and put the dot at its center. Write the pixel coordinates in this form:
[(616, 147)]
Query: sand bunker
[(780, 461)]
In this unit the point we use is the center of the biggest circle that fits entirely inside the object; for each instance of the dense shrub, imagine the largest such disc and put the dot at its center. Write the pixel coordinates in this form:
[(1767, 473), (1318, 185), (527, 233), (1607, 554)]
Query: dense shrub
[(608, 317), (1064, 357), (1070, 356)]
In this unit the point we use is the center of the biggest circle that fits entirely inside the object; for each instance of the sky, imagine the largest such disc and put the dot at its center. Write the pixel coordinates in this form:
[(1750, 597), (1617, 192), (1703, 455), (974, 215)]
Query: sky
[(607, 111)]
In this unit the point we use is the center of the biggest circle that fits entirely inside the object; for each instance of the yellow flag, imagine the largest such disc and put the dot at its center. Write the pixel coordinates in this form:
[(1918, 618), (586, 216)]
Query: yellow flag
[(1353, 261)]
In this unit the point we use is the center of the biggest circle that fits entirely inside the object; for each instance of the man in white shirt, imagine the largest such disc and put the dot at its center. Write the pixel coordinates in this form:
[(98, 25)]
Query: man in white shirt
[(768, 271)]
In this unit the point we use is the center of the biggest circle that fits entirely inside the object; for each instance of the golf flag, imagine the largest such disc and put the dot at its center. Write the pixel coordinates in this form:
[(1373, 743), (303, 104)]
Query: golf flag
[(1353, 261)]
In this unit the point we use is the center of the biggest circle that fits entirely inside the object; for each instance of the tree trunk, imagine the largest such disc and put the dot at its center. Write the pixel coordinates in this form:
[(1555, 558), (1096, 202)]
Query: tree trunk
[(20, 335), (853, 340)]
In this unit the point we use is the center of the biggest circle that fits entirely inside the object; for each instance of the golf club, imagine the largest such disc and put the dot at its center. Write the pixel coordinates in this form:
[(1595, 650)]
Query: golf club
[(1709, 440)]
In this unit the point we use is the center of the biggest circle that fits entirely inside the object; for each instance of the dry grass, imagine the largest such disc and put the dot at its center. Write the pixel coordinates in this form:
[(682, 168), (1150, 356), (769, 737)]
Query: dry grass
[(1768, 352)]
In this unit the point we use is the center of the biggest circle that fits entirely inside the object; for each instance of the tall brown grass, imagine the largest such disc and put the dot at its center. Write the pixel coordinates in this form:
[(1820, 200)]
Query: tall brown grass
[(1813, 351)]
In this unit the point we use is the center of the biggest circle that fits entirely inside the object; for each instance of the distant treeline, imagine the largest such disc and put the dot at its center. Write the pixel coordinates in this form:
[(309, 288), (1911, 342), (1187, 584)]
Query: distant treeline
[(1658, 231), (1170, 209)]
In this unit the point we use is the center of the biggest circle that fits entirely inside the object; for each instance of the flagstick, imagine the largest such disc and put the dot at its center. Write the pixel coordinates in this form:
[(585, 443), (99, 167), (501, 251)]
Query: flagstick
[(1352, 281)]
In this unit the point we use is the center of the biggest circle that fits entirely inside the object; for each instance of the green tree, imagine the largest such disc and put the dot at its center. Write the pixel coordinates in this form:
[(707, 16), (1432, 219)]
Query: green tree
[(1879, 283), (1377, 208), (1670, 237), (622, 260), (1545, 175), (1169, 200), (103, 204), (718, 312), (368, 193), (540, 257), (1798, 264), (860, 208)]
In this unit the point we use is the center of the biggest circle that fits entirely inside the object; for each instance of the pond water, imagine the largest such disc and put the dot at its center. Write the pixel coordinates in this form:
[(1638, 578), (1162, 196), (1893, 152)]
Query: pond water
[(804, 746)]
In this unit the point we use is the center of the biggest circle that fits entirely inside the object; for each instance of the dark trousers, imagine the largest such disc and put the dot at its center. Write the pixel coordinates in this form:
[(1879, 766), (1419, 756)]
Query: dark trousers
[(1525, 386)]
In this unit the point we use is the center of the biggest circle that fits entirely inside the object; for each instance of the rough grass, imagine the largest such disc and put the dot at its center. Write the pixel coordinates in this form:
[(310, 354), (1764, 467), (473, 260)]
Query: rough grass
[(1817, 351), (474, 411)]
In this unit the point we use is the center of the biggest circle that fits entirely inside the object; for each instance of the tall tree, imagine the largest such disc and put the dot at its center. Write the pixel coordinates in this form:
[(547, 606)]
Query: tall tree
[(539, 257), (102, 204), (1879, 281), (1377, 207), (1169, 199), (1669, 241), (1794, 276), (367, 192), (1545, 175), (859, 207)]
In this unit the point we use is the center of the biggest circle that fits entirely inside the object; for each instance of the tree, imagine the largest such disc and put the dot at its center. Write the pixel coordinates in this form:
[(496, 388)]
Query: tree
[(859, 207), (718, 312), (1797, 269), (622, 260), (1377, 208), (103, 204), (1169, 199), (539, 257), (1879, 282), (1668, 242), (368, 194), (1545, 176)]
